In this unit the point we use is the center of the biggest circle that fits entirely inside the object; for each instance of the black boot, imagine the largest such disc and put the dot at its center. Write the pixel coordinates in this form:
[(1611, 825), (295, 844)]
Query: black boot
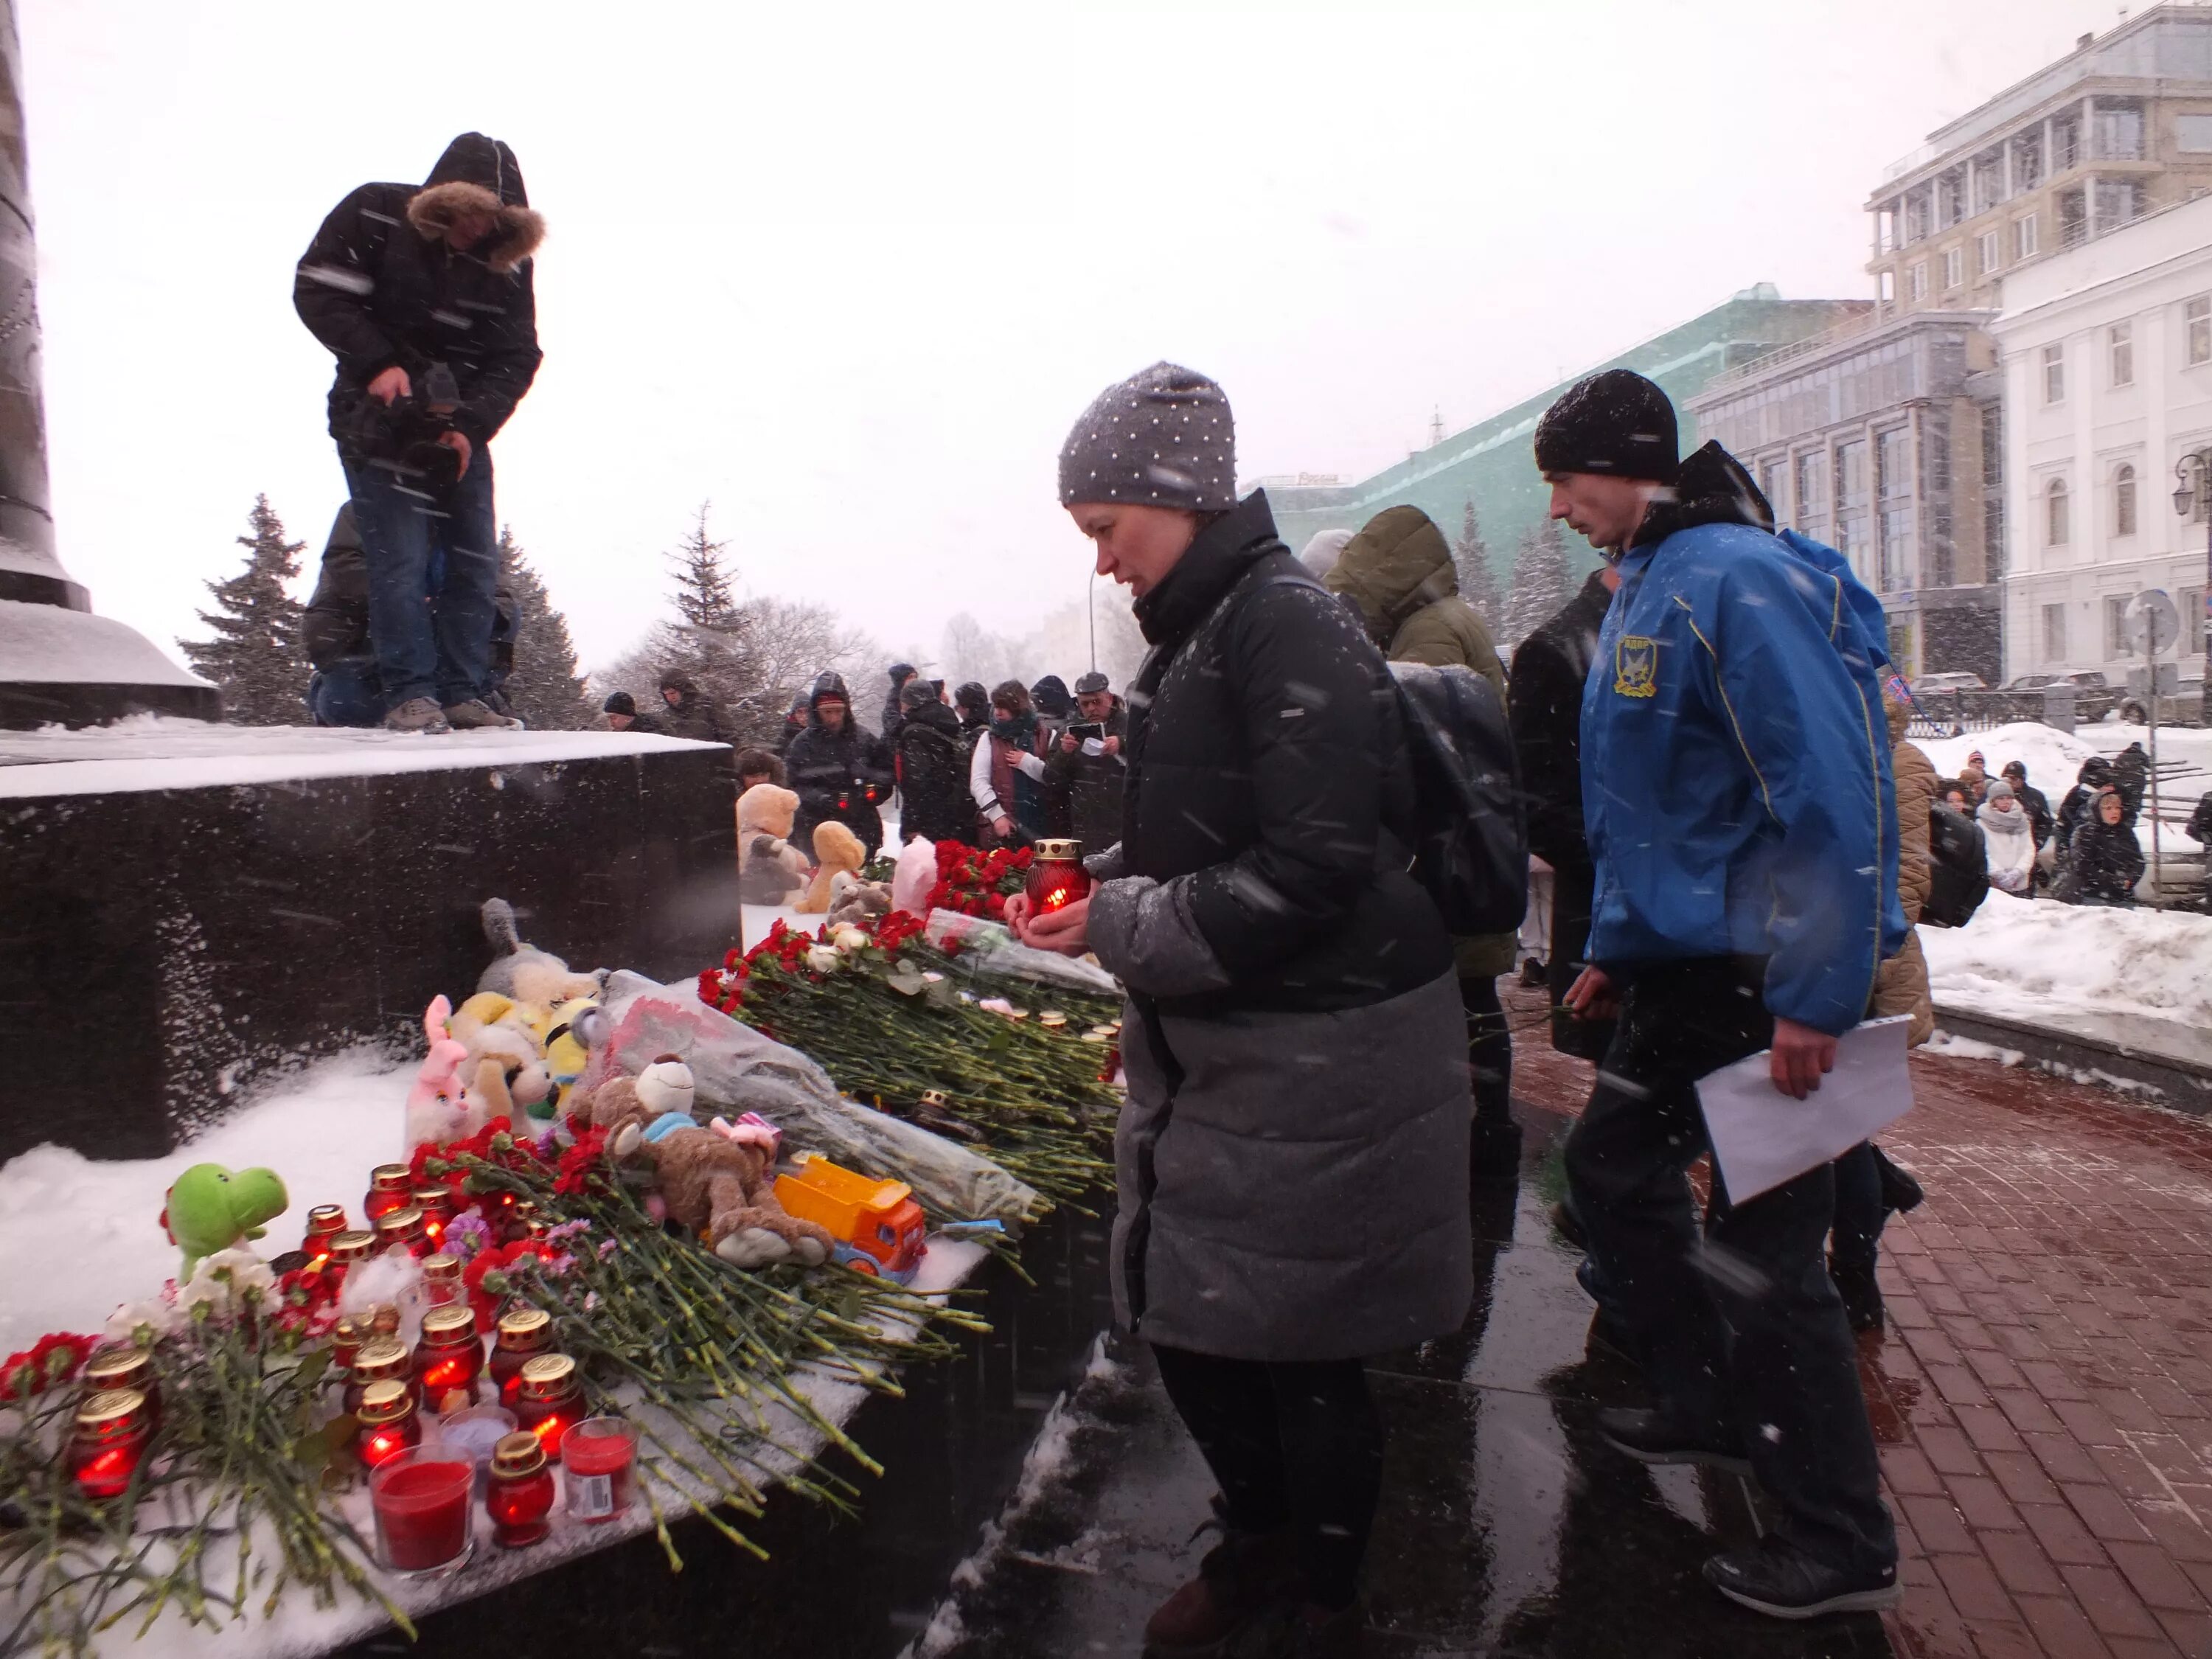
[(1862, 1294), (1899, 1191)]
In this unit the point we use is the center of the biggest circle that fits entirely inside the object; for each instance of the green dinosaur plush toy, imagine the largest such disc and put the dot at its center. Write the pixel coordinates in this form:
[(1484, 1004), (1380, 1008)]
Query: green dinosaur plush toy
[(209, 1208)]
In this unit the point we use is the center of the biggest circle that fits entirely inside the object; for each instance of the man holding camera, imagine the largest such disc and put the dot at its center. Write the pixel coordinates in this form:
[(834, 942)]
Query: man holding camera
[(1083, 770), (424, 297)]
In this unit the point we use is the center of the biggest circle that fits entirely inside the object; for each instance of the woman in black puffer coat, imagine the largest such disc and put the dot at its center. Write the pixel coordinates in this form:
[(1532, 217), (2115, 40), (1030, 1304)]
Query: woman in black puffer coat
[(2105, 861), (1292, 1155)]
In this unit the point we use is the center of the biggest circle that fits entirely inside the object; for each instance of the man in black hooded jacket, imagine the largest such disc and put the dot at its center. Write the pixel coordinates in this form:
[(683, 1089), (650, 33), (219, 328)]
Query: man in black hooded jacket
[(933, 769), (838, 770), (423, 294)]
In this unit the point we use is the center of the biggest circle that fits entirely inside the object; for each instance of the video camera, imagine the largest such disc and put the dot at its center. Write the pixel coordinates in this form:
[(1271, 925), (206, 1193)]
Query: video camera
[(405, 433)]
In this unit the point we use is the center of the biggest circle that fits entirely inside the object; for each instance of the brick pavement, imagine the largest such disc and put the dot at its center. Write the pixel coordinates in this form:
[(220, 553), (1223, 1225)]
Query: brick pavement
[(2044, 1395)]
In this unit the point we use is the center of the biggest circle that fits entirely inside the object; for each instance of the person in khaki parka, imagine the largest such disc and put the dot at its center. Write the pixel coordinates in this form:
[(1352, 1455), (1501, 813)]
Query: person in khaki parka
[(1901, 986), (1397, 571)]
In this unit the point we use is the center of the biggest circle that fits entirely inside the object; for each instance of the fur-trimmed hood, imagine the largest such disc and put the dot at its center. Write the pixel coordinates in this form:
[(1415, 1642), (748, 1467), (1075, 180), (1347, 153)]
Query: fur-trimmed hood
[(478, 174)]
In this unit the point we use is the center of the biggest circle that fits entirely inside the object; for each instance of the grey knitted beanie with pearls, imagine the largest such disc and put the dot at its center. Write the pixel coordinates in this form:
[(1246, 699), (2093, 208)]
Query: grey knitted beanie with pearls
[(1163, 437)]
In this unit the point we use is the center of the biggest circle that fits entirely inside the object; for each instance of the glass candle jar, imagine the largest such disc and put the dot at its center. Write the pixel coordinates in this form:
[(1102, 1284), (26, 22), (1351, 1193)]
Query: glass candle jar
[(347, 1250), (381, 1360), (401, 1226), (598, 1467), (550, 1400), (523, 1220), (476, 1431), (346, 1337), (448, 1359), (523, 1333), (125, 1368), (421, 1501), (325, 1223), (389, 1187), (520, 1495), (1057, 877), (435, 1199), (441, 1279), (108, 1441), (389, 1424)]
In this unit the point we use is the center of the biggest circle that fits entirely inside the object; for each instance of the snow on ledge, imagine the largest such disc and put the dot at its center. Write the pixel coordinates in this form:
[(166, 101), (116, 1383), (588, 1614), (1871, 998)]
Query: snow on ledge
[(161, 751)]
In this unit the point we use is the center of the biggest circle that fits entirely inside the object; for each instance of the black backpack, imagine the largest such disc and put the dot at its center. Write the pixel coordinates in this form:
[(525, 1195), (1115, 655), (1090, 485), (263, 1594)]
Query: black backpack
[(1958, 867), (1471, 833)]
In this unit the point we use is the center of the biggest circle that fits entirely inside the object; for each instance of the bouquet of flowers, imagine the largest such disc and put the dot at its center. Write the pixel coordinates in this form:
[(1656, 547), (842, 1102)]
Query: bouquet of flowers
[(977, 882)]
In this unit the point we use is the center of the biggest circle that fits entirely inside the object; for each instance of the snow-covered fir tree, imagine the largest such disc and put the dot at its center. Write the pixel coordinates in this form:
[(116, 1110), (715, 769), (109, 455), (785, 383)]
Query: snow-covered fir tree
[(545, 687), (1471, 564), (255, 657), (1539, 583)]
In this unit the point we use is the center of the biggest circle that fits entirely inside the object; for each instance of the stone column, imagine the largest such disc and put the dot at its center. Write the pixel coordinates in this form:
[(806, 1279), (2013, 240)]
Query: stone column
[(58, 662)]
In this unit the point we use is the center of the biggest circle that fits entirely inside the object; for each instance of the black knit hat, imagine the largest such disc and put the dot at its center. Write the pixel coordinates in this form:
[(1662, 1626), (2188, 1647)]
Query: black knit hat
[(1616, 423), (620, 702)]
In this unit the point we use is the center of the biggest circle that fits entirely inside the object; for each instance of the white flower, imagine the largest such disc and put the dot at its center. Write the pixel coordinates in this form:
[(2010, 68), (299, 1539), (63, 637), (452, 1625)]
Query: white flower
[(226, 1281), (153, 1317), (822, 958), (848, 938)]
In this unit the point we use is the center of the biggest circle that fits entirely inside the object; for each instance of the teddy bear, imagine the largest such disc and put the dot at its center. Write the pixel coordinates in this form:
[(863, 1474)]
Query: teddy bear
[(769, 868), (523, 973), (717, 1186), (854, 900), (505, 1067), (836, 849)]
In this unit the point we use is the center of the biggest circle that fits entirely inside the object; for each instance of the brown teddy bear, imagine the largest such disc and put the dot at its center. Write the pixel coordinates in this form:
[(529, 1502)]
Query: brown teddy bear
[(769, 868), (854, 900), (837, 849), (720, 1187)]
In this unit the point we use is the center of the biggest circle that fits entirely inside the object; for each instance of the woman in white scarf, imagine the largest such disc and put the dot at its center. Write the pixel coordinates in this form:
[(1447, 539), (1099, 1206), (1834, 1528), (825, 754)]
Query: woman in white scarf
[(2011, 840)]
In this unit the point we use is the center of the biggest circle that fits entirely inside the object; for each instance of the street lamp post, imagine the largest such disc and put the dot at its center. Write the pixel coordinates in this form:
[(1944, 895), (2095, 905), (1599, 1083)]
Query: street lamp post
[(2192, 482)]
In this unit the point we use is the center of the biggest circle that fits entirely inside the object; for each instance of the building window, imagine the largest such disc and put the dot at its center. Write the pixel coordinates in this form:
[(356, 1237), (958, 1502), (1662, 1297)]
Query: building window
[(2119, 201), (1852, 505), (1916, 281), (2192, 134), (2190, 601), (1993, 522), (2119, 132), (2055, 522), (1813, 493), (2197, 326), (2065, 143), (2023, 238), (2120, 348), (2054, 373), (1954, 266), (2123, 502), (2117, 643), (1774, 484), (1894, 487), (1989, 245), (2027, 160), (1889, 287), (2054, 633)]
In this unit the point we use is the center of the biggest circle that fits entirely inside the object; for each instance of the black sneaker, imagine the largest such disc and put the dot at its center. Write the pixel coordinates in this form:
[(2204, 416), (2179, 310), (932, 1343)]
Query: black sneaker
[(1533, 975), (1900, 1193), (1651, 1436), (1862, 1295), (1774, 1578)]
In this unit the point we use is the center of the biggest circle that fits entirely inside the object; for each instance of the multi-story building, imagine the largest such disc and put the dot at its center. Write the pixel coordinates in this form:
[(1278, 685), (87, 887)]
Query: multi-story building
[(1882, 438), (1491, 464), (2119, 127), (2107, 364)]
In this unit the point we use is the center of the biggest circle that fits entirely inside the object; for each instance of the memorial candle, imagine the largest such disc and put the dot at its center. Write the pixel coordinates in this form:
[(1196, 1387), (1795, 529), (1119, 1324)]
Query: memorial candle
[(1057, 877), (420, 1500)]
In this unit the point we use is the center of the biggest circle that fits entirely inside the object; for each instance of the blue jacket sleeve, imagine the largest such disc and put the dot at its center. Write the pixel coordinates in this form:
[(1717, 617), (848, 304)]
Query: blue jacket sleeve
[(1820, 753)]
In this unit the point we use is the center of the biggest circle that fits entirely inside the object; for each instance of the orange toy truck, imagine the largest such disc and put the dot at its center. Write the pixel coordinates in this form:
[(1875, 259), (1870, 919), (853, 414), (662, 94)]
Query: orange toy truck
[(879, 1227)]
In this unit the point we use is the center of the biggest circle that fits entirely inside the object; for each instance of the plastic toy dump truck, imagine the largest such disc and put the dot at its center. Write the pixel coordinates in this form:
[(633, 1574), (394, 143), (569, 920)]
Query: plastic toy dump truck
[(879, 1227)]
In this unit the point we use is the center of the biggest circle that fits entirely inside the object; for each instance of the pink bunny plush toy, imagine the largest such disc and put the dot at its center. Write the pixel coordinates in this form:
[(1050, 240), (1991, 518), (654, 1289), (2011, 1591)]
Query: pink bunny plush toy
[(437, 1111)]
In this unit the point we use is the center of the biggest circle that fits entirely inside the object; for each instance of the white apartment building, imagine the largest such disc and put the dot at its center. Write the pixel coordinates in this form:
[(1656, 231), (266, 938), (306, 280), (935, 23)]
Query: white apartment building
[(2107, 353)]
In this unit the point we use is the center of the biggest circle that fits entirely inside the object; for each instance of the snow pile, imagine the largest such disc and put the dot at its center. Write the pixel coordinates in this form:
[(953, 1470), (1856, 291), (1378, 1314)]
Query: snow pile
[(2029, 959), (80, 1238), (2053, 759)]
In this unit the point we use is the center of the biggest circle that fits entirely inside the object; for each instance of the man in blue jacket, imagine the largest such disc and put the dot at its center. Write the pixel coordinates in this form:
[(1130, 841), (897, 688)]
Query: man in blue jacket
[(1737, 795)]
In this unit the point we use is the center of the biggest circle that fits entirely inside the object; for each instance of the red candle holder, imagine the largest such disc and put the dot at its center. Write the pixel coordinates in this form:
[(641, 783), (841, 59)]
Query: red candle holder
[(550, 1400), (389, 1187), (108, 1443), (520, 1496), (441, 1279), (346, 1249), (421, 1501), (524, 1333), (346, 1339), (381, 1360), (325, 1223), (389, 1424), (449, 1359), (1057, 877), (599, 1462), (404, 1226), (125, 1368)]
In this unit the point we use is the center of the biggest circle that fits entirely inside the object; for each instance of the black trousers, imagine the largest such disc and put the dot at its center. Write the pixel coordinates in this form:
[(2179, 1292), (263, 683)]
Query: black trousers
[(1859, 1212), (1574, 890), (1742, 1329), (1489, 1049), (1291, 1443)]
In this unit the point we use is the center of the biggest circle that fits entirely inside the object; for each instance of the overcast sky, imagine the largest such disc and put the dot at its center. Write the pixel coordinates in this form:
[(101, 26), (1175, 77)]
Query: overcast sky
[(852, 274)]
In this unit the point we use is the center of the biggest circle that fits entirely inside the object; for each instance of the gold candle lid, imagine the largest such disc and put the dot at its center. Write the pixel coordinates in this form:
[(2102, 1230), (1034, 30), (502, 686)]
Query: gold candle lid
[(520, 1453), (525, 1323), (933, 1097), (110, 1408), (441, 1268), (447, 1326), (384, 1319), (547, 1375), (390, 1178), (1059, 852), (399, 1221), (386, 1353), (384, 1402), (354, 1246), (326, 1218), (115, 1368), (1052, 1020)]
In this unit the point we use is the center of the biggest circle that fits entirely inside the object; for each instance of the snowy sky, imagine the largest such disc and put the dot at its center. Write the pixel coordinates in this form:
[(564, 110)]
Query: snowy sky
[(851, 274)]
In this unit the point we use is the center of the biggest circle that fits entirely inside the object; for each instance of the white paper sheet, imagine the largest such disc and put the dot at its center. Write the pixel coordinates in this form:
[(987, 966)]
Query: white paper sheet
[(1762, 1138)]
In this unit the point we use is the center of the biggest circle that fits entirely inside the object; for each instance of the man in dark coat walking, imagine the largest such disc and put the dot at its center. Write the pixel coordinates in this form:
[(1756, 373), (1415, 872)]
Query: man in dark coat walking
[(1083, 770), (1545, 704), (423, 294), (840, 771), (933, 769), (2032, 801)]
